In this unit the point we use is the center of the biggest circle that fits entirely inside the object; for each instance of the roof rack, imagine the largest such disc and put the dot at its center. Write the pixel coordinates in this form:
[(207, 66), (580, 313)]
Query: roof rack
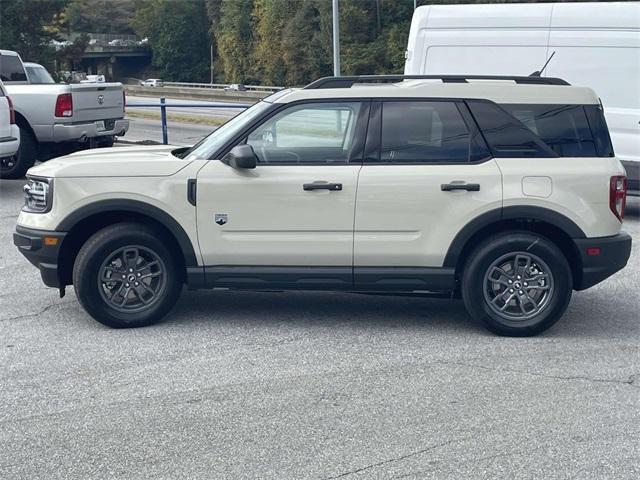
[(347, 82)]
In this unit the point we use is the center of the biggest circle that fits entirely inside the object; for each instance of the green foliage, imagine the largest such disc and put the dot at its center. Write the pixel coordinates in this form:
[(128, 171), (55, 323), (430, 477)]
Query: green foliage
[(28, 26), (100, 16), (234, 39), (178, 35)]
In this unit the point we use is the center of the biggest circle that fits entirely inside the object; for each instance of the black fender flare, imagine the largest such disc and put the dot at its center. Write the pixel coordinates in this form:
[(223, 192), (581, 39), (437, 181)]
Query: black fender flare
[(134, 206), (539, 214)]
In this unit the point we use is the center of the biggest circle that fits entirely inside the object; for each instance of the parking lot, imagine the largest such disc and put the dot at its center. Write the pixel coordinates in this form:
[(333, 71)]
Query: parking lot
[(314, 385)]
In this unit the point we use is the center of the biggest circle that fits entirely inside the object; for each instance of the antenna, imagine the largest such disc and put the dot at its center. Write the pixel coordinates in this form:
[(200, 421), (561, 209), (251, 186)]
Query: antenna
[(538, 73)]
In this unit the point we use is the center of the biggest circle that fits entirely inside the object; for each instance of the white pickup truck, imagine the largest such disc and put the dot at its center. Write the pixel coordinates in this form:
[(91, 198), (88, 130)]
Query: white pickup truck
[(57, 119)]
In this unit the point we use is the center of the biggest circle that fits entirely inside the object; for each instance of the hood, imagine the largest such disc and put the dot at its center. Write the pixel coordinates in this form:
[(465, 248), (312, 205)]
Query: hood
[(138, 161)]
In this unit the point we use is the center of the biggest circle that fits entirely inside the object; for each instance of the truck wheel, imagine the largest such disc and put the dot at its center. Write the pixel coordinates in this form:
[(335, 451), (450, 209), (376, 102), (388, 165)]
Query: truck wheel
[(23, 160), (517, 283), (124, 276), (106, 142)]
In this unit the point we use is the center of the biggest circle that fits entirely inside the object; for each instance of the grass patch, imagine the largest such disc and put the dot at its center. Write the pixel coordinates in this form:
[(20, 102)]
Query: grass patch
[(178, 117)]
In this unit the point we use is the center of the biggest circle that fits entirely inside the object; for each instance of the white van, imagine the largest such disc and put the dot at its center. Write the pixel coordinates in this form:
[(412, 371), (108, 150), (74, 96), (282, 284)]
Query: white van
[(595, 44)]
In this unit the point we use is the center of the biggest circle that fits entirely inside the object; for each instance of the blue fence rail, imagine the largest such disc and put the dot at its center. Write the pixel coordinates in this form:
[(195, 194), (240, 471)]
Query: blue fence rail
[(163, 110)]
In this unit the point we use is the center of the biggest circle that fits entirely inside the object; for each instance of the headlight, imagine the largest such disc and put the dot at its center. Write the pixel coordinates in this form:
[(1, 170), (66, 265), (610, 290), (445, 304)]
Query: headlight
[(38, 195)]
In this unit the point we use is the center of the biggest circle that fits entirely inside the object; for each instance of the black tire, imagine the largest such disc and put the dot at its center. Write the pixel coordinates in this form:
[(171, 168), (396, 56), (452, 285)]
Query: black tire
[(23, 160), (105, 142), (503, 298), (100, 298)]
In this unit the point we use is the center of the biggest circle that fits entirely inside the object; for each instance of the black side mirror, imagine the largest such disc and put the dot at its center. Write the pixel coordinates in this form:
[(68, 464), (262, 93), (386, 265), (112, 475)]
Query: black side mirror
[(241, 156)]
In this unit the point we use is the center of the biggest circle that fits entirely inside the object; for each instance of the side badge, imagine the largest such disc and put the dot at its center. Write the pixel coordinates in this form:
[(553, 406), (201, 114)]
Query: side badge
[(221, 218)]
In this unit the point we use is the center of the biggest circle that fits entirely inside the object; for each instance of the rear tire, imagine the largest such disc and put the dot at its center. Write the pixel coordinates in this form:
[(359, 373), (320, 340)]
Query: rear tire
[(105, 142), (125, 277), (16, 166), (517, 284)]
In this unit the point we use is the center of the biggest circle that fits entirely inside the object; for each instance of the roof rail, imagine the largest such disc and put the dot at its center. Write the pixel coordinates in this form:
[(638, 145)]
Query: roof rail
[(347, 82)]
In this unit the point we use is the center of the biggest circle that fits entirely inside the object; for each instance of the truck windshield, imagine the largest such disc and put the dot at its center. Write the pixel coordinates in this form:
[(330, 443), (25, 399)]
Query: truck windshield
[(209, 146)]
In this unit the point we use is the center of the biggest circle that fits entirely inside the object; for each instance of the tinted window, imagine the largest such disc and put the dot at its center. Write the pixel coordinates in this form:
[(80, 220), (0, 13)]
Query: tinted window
[(423, 132), (507, 137), (307, 134), (11, 69), (599, 130), (563, 128)]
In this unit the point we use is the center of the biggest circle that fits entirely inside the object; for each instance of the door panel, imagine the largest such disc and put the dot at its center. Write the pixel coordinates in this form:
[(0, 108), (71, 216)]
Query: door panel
[(296, 208), (428, 176), (405, 219), (271, 219)]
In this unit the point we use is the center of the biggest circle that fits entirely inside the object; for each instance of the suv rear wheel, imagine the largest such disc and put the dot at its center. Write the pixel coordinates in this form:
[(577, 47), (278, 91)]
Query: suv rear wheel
[(517, 284), (124, 276)]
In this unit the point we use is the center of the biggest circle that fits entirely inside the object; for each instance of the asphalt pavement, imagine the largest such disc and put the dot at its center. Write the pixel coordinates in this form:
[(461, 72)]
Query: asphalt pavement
[(299, 385)]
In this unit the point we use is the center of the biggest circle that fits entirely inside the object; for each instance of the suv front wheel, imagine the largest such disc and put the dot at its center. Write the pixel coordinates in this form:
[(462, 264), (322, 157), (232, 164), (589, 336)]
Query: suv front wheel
[(517, 283), (124, 276)]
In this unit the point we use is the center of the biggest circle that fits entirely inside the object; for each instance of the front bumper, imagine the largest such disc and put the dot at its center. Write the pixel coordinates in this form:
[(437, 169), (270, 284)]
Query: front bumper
[(613, 255), (68, 132), (39, 248)]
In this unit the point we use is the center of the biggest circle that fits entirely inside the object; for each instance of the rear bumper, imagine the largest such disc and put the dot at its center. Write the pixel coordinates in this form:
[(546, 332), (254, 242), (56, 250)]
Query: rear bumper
[(68, 132), (43, 254), (613, 256)]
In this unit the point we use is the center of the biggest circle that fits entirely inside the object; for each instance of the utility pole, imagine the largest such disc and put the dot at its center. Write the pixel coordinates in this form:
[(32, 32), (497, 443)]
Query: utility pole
[(336, 39), (211, 64)]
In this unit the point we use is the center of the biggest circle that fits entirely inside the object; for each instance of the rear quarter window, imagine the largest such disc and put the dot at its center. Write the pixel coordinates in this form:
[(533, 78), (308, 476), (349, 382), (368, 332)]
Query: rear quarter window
[(563, 128)]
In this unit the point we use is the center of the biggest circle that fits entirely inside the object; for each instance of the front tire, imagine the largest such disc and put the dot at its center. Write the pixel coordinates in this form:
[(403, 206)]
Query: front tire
[(125, 277), (517, 283)]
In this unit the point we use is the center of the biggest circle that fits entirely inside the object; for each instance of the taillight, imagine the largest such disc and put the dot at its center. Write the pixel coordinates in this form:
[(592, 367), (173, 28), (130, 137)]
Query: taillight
[(618, 195), (64, 105), (124, 100), (12, 112)]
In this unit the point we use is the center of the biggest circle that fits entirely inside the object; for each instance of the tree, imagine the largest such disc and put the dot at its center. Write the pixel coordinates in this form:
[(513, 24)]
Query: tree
[(234, 38), (29, 26), (178, 36), (100, 16)]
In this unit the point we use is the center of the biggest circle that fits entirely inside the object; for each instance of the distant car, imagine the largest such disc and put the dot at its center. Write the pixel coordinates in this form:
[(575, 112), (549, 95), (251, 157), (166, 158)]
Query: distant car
[(236, 87), (152, 82), (93, 79), (37, 74), (9, 131)]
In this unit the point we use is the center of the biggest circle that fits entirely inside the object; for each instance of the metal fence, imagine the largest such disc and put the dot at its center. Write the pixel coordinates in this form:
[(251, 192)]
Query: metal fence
[(163, 111), (221, 86)]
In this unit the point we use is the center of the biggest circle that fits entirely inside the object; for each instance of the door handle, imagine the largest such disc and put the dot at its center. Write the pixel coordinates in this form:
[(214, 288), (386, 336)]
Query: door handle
[(334, 187), (469, 187)]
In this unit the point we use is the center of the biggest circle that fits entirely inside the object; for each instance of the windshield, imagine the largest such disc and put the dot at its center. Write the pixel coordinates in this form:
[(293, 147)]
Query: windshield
[(38, 75), (208, 146)]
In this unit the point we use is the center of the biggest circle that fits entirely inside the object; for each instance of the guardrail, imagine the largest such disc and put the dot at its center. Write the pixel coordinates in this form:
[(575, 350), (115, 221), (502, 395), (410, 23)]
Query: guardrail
[(222, 86), (163, 111)]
